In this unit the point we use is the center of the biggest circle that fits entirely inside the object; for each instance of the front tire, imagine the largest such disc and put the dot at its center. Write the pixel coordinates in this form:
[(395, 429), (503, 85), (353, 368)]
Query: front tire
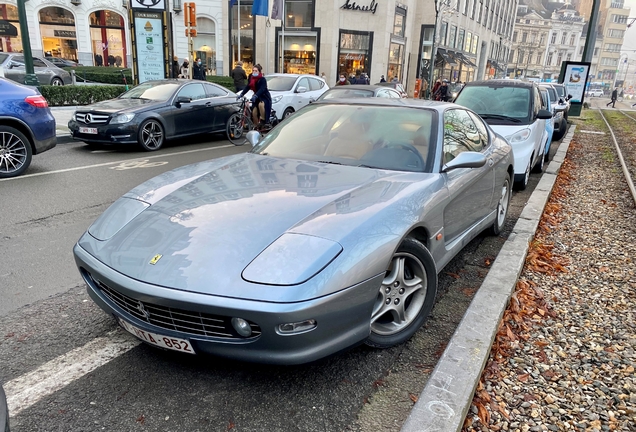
[(151, 135), (15, 152), (562, 129), (406, 296), (288, 111), (237, 128), (521, 180), (502, 207)]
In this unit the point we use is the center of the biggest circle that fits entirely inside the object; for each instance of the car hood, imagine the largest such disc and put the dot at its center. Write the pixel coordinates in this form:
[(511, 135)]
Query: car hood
[(117, 105), (208, 221)]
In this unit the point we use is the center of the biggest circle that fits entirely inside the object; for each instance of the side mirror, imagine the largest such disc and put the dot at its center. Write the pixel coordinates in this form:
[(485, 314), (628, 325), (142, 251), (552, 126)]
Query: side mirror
[(569, 97), (183, 99), (253, 137), (561, 101), (544, 114), (301, 89), (14, 65), (465, 160)]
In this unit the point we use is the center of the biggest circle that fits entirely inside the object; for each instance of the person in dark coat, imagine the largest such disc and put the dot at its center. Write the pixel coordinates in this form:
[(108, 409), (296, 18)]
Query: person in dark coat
[(198, 70), (614, 97), (442, 92), (239, 76), (382, 79), (436, 87), (262, 99), (176, 69)]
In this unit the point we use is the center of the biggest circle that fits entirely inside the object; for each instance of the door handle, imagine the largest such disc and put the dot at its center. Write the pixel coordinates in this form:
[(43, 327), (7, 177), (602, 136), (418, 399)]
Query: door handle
[(208, 104), (490, 162)]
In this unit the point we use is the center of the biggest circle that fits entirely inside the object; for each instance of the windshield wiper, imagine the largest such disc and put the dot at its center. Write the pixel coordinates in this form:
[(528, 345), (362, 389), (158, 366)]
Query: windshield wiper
[(330, 162), (499, 117)]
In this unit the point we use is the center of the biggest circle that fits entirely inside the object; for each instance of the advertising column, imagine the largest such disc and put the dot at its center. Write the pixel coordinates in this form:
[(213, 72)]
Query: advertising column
[(574, 76), (150, 40)]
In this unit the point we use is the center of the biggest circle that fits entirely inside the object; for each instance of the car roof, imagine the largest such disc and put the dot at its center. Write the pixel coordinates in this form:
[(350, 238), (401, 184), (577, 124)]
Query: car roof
[(500, 83), (408, 103), (371, 87), (294, 75)]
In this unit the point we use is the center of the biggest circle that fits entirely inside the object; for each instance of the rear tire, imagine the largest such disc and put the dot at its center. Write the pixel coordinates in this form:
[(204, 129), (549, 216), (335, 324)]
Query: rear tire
[(15, 152), (406, 296), (57, 82)]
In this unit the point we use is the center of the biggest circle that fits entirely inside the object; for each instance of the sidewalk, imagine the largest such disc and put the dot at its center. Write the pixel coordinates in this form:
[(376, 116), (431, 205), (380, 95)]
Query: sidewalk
[(62, 116)]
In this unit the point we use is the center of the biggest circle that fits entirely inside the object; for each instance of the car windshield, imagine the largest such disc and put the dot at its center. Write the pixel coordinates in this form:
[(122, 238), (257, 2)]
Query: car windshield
[(553, 94), (560, 90), (152, 91), (497, 104), (384, 137), (280, 83), (347, 93), (3, 57)]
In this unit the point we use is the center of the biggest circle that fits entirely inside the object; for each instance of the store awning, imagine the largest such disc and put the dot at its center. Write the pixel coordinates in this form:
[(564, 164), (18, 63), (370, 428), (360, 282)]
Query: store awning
[(7, 29), (468, 62), (445, 56)]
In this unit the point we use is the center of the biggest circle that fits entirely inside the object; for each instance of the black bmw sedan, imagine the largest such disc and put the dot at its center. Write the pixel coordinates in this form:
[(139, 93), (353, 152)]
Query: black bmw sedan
[(155, 111)]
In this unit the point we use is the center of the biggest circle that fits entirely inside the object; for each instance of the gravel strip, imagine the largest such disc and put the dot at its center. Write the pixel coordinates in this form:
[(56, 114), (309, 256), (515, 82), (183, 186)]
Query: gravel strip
[(564, 357)]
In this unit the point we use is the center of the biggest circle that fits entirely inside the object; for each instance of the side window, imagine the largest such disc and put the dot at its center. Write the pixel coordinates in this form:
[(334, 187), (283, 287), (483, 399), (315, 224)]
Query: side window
[(460, 134), (193, 91), (537, 101), (482, 129), (214, 91), (315, 84), (304, 82), (18, 59), (383, 94), (38, 63), (394, 95)]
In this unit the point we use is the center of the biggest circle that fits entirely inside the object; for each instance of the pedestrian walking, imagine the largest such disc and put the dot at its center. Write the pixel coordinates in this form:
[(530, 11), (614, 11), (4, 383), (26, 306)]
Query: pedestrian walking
[(382, 79), (185, 69), (176, 69), (436, 87), (442, 92), (614, 97), (342, 80), (239, 76), (198, 70)]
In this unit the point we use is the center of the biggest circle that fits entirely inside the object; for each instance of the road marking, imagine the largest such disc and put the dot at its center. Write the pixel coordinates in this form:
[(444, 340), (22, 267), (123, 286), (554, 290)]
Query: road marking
[(26, 390), (115, 163), (137, 164)]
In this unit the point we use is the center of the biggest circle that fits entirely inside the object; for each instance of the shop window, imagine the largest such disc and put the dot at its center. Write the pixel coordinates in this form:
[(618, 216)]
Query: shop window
[(299, 14), (205, 44), (108, 38), (10, 41), (399, 22), (246, 34), (299, 53), (396, 59), (59, 38), (355, 52)]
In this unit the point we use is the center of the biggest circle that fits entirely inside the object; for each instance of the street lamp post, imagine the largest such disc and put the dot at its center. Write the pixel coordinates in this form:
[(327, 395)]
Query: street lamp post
[(440, 6), (29, 78)]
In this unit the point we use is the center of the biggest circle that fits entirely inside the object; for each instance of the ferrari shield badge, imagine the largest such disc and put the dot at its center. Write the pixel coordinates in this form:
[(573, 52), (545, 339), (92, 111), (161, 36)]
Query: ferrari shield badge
[(155, 258)]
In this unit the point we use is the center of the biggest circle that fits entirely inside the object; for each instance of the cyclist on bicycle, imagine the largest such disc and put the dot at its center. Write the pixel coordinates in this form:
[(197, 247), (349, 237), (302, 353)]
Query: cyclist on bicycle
[(262, 99)]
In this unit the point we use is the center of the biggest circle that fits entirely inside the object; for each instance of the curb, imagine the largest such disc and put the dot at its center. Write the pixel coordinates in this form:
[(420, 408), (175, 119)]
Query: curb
[(443, 404)]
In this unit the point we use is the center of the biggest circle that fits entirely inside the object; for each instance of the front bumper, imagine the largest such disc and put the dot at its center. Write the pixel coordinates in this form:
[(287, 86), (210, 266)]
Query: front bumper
[(106, 133), (343, 318)]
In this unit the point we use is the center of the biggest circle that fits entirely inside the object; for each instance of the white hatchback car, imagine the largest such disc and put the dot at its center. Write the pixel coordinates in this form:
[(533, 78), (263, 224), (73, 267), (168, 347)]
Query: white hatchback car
[(513, 109), (291, 92)]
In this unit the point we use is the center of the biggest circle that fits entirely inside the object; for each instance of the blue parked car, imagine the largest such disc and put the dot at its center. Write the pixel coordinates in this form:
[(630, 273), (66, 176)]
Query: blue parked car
[(546, 103), (26, 127)]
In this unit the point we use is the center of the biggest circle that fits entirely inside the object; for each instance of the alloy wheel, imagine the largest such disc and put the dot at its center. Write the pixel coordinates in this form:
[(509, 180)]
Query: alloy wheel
[(152, 135), (15, 154)]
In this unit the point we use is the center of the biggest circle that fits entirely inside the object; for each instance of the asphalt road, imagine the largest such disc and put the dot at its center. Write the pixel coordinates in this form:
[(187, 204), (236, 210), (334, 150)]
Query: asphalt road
[(45, 314)]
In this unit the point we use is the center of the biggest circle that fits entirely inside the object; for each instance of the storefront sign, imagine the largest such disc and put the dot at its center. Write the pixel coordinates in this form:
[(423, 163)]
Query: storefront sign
[(349, 5), (8, 29), (148, 4), (149, 44), (64, 33), (356, 57)]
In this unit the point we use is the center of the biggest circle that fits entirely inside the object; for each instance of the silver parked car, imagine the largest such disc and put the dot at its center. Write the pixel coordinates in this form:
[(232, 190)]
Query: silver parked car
[(12, 67), (4, 412), (330, 232)]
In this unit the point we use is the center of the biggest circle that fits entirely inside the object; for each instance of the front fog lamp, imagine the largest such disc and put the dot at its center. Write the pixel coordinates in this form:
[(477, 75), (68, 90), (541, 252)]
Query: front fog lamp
[(297, 327), (242, 327)]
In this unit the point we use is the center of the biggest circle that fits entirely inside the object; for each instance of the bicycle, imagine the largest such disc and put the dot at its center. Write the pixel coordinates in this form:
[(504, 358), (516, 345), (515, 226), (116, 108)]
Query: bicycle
[(240, 123)]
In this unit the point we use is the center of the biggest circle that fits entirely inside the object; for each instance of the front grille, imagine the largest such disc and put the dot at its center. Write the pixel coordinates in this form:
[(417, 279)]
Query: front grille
[(191, 322), (91, 118)]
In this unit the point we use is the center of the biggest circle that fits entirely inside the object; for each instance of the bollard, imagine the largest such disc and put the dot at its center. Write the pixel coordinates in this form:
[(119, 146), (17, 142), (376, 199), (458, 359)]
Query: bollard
[(73, 80)]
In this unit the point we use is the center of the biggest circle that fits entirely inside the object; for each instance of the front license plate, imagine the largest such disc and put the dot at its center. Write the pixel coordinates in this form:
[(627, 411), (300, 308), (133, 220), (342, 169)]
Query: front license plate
[(166, 342), (88, 130)]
